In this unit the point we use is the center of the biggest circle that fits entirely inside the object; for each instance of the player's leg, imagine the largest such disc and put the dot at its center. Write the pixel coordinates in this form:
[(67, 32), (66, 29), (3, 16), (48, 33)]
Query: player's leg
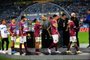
[(7, 44), (68, 48), (21, 42), (69, 45), (3, 44), (21, 49), (25, 44), (13, 40), (37, 45), (56, 39), (77, 48), (51, 45)]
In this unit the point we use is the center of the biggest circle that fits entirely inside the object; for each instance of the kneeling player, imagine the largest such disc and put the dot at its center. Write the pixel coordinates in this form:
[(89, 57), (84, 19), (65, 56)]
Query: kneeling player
[(72, 32), (12, 30)]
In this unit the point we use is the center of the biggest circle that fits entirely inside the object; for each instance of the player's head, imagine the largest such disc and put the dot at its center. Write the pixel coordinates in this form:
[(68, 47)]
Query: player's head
[(23, 18), (13, 20), (88, 11), (43, 17), (56, 17), (73, 14), (64, 16), (3, 21)]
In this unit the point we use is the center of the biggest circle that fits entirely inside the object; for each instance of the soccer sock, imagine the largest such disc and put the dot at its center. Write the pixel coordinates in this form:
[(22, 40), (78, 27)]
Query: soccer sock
[(20, 47), (69, 46), (37, 50), (51, 45), (76, 46), (55, 46), (7, 44)]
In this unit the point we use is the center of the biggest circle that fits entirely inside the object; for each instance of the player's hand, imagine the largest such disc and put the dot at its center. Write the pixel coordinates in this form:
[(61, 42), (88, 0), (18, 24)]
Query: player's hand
[(22, 35), (12, 34)]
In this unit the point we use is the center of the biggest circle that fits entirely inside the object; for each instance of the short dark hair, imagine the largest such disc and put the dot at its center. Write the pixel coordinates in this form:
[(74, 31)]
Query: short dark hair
[(54, 15), (13, 18), (63, 14), (34, 20), (23, 17), (2, 20)]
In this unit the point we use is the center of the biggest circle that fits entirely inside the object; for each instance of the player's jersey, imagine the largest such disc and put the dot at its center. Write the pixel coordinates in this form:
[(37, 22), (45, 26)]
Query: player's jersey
[(53, 29), (23, 27), (12, 28), (72, 28), (37, 30), (3, 31)]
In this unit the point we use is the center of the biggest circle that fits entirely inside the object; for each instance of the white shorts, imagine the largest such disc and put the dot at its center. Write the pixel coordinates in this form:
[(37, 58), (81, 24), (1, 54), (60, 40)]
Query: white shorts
[(13, 38), (55, 38), (23, 39), (37, 39), (73, 39)]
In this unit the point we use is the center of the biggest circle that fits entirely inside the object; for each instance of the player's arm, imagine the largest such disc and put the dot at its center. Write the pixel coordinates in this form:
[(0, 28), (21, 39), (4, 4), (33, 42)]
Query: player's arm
[(21, 30), (9, 30), (54, 25), (48, 30)]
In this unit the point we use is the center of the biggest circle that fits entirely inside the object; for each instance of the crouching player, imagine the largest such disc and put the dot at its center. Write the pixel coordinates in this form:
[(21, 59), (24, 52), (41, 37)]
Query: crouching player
[(4, 36), (12, 31), (55, 34), (22, 34), (72, 32), (37, 28)]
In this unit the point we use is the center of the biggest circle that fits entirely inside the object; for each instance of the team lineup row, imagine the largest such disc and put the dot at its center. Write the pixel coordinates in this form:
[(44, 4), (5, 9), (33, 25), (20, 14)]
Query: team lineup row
[(53, 25)]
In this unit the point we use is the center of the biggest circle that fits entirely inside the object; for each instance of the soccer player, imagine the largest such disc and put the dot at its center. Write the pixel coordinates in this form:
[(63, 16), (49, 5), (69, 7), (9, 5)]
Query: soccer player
[(22, 34), (37, 33), (72, 32), (4, 35), (12, 31), (55, 34)]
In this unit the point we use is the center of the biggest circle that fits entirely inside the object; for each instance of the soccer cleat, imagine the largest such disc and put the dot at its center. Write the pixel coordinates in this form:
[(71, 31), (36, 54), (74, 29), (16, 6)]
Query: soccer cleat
[(57, 52), (49, 51), (21, 53), (37, 53), (78, 52), (4, 52), (13, 52), (69, 52)]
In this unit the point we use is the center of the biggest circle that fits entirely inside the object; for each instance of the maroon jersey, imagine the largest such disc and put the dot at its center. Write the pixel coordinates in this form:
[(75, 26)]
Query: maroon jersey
[(72, 29), (53, 28), (12, 28), (37, 28), (22, 28)]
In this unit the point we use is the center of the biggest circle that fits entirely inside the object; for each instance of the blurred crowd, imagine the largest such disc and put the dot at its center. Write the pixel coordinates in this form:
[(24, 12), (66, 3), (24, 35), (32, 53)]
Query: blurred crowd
[(9, 10)]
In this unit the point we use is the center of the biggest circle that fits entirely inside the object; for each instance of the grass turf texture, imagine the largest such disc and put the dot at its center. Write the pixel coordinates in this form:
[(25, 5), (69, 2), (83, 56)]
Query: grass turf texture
[(83, 37)]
